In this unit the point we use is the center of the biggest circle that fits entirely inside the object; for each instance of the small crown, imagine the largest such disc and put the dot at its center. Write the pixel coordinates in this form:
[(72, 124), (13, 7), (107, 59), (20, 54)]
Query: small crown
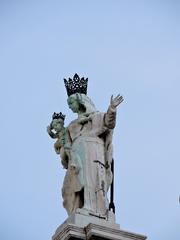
[(76, 85), (58, 115)]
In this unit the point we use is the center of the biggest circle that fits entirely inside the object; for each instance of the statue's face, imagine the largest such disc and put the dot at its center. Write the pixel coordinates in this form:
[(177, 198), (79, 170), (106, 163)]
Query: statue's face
[(73, 104), (57, 124)]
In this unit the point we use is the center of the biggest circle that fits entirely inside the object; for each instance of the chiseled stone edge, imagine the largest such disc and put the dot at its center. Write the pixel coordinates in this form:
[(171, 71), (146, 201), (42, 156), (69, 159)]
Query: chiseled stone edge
[(100, 231), (67, 231), (91, 231)]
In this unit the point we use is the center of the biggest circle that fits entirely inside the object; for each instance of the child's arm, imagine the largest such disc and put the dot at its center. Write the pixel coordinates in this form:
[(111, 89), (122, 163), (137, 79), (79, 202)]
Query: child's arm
[(50, 132)]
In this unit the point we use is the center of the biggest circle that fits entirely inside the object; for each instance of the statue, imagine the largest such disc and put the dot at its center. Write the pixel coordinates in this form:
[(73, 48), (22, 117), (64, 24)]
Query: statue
[(56, 130), (57, 125), (85, 147)]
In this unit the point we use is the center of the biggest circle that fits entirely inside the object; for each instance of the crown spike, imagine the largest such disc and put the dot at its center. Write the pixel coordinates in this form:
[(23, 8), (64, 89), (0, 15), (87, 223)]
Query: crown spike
[(76, 85), (58, 115)]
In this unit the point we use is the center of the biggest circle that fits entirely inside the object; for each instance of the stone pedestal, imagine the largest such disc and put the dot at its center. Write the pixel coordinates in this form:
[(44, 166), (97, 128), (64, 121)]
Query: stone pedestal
[(80, 226)]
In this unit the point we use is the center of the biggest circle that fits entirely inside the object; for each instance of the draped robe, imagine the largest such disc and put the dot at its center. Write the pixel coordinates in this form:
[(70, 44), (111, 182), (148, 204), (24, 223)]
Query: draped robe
[(88, 176)]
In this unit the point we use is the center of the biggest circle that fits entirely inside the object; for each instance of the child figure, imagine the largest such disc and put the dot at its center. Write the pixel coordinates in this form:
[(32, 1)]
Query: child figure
[(73, 181), (59, 133)]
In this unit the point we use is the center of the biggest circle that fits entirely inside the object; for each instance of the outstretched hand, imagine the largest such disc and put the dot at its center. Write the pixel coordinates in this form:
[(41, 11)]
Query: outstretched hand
[(116, 101)]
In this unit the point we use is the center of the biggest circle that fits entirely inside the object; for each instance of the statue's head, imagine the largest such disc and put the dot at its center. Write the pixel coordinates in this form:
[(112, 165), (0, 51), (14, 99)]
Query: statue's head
[(57, 121), (80, 103), (77, 100)]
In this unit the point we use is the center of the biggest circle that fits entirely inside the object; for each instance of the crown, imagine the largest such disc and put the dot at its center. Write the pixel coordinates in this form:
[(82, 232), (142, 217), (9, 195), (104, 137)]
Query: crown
[(76, 85), (58, 115)]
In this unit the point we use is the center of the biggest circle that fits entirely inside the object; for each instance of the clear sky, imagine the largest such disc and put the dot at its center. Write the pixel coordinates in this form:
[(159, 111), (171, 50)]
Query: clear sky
[(126, 46)]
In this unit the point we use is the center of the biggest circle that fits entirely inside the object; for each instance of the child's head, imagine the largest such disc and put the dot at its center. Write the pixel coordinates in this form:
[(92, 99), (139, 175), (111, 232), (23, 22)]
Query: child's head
[(57, 121)]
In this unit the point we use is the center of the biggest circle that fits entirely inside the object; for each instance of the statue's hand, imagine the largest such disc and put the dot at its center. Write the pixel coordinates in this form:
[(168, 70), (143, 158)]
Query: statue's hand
[(50, 132), (116, 101)]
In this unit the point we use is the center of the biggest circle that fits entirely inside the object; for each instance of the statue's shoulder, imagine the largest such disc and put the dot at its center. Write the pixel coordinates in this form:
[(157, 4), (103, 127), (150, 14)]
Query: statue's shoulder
[(72, 122), (97, 114)]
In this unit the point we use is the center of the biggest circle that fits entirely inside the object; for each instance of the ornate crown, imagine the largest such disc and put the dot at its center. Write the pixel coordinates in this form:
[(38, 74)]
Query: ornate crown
[(76, 85), (58, 115)]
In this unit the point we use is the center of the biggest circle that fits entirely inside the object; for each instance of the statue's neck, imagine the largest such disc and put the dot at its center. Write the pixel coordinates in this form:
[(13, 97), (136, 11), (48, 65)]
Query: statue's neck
[(84, 114)]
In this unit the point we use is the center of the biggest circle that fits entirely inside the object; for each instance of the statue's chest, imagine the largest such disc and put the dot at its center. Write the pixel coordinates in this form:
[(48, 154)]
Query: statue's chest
[(76, 129)]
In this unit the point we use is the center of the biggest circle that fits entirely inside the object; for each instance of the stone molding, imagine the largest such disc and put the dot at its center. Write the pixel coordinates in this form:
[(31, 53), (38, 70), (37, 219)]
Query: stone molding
[(93, 231)]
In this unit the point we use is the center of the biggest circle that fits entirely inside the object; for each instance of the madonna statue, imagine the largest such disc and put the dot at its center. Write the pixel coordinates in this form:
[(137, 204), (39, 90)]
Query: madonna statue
[(87, 154)]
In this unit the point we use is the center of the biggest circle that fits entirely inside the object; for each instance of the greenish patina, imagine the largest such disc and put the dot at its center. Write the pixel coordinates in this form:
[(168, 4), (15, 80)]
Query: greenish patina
[(85, 147)]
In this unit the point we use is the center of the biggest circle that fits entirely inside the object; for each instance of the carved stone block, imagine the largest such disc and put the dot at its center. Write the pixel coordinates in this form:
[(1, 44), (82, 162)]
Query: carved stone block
[(91, 228)]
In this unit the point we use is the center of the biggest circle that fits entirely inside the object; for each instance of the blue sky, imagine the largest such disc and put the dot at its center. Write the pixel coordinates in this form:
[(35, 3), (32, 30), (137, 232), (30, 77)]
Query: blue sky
[(128, 47)]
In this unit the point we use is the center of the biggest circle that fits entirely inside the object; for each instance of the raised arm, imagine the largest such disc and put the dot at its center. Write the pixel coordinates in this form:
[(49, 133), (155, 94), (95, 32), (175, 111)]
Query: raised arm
[(50, 132), (110, 116)]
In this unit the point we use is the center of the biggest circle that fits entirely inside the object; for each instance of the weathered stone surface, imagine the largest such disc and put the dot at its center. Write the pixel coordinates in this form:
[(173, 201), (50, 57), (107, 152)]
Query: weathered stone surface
[(82, 218), (85, 148), (93, 232), (69, 231), (97, 232), (90, 137)]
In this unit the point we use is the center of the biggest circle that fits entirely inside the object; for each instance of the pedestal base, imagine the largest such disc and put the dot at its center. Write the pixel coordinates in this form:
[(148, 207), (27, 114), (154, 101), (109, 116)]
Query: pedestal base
[(79, 226)]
